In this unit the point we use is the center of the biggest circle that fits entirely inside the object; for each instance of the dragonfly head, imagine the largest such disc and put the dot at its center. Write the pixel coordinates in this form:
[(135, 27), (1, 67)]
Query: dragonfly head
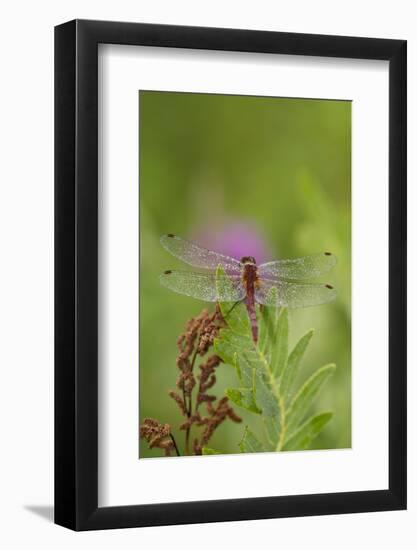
[(248, 260)]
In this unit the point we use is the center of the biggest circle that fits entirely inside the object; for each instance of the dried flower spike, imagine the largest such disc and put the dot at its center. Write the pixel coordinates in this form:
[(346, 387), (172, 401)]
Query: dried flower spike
[(158, 435), (195, 342)]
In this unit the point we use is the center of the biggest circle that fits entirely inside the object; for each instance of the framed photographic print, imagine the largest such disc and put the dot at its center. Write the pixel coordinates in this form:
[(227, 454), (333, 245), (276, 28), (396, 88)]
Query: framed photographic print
[(230, 274)]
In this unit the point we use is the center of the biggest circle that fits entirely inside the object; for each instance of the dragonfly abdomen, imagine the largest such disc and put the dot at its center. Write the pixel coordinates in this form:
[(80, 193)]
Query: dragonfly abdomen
[(250, 278), (250, 305)]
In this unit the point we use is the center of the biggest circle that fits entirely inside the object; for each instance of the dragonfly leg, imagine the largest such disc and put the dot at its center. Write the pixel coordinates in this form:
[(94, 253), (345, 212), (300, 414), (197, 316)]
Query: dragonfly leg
[(232, 308)]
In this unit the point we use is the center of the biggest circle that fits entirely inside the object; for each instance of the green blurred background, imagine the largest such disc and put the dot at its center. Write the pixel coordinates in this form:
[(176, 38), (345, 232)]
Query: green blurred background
[(271, 175)]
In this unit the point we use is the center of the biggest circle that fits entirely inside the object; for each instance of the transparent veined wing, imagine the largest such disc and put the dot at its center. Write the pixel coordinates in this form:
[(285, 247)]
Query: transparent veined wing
[(277, 293), (197, 256), (307, 267), (205, 286)]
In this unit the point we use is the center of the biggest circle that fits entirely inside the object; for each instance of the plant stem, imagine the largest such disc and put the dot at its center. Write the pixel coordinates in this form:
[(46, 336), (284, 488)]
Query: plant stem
[(175, 444), (189, 409), (282, 432), (187, 441)]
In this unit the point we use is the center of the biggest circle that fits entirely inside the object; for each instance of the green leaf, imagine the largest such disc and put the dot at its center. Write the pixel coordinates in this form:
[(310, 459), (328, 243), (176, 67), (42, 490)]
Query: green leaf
[(273, 335), (230, 347), (268, 319), (250, 443), (280, 344), (305, 397), (243, 397), (223, 349), (267, 374), (272, 430), (290, 372), (302, 438), (208, 451), (264, 397)]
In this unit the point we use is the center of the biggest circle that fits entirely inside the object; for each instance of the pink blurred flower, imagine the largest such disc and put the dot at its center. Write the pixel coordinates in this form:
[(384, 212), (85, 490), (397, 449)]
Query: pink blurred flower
[(236, 239)]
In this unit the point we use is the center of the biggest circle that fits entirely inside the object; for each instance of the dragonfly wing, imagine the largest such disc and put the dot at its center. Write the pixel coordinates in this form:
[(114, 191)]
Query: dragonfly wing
[(293, 295), (204, 286), (299, 268), (197, 256)]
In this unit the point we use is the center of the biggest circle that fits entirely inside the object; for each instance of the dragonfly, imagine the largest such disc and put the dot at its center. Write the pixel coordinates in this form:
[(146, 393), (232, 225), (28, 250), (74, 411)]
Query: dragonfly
[(279, 283)]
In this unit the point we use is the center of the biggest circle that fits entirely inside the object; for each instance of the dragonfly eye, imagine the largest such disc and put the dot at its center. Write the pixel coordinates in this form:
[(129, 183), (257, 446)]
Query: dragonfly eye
[(248, 260)]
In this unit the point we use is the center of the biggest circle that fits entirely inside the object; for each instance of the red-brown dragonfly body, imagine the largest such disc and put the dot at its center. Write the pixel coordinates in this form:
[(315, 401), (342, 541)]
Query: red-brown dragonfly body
[(250, 280), (279, 283)]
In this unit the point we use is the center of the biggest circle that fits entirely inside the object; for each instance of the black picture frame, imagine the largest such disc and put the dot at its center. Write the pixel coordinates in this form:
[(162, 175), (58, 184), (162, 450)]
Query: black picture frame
[(76, 273)]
